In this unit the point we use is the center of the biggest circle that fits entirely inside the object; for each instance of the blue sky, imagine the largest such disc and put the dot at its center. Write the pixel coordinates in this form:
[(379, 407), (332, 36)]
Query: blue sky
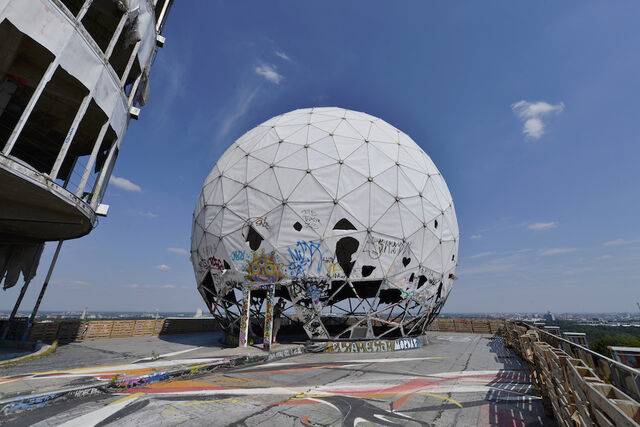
[(529, 109)]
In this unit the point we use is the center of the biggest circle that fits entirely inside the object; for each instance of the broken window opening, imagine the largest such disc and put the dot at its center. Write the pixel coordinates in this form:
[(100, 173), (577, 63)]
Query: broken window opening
[(23, 63), (74, 6), (50, 122), (82, 146), (101, 21)]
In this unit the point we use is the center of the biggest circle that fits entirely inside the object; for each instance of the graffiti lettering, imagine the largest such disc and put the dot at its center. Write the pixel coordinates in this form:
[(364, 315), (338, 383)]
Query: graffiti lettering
[(374, 346), (378, 247), (303, 256), (216, 263), (310, 217), (238, 255)]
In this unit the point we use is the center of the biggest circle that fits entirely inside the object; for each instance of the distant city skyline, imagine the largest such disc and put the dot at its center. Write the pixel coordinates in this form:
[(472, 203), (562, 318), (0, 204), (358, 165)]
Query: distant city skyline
[(529, 111)]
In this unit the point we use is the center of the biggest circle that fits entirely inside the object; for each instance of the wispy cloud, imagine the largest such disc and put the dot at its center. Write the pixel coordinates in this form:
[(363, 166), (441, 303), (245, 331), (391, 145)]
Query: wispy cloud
[(178, 251), (475, 236), (125, 184), (167, 287), (133, 285), (236, 113), (162, 267), (532, 113), (147, 214), (481, 255), (606, 257), (282, 55), (557, 251), (269, 72), (620, 241), (539, 226)]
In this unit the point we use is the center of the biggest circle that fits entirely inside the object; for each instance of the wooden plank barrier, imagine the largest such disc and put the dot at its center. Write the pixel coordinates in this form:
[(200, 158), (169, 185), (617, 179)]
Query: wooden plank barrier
[(122, 328), (98, 329), (571, 389), (463, 325), (44, 331), (481, 326)]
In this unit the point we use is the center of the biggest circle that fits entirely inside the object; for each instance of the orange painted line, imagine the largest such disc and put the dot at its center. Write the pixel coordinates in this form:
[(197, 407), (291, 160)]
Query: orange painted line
[(398, 403), (305, 421)]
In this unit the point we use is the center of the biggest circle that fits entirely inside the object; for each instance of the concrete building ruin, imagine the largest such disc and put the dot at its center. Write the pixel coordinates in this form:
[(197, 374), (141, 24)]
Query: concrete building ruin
[(72, 75)]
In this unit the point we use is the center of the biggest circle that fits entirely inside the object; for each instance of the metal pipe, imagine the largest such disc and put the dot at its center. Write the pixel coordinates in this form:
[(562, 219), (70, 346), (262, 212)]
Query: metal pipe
[(69, 138), (84, 9), (116, 35), (42, 291), (102, 177), (92, 159)]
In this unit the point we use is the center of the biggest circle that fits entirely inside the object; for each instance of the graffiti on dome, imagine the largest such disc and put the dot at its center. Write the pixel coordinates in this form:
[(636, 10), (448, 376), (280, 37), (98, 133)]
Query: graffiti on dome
[(374, 346), (264, 268), (304, 256), (258, 221), (239, 255), (310, 218), (377, 247)]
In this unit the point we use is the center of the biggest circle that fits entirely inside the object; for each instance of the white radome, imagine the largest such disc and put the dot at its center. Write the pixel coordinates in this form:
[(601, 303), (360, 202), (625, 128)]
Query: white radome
[(343, 212)]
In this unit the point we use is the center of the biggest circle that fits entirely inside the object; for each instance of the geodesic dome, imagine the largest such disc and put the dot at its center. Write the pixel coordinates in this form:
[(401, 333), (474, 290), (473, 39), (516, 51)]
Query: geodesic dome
[(346, 215)]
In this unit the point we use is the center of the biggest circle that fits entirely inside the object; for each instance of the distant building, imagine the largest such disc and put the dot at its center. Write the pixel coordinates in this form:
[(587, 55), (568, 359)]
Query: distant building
[(549, 317)]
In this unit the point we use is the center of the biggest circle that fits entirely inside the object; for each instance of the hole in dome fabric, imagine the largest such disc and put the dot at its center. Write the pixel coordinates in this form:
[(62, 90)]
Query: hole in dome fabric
[(254, 238), (345, 248), (344, 224)]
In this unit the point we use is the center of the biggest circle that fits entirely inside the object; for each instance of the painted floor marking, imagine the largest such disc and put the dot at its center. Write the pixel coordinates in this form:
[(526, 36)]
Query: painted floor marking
[(175, 353), (95, 417)]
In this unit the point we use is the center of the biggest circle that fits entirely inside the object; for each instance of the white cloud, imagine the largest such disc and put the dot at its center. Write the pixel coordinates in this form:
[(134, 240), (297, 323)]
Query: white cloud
[(282, 55), (557, 251), (475, 236), (163, 267), (616, 242), (532, 113), (124, 184), (620, 241), (133, 285), (148, 214), (269, 72), (167, 287), (178, 251), (606, 257), (481, 255), (539, 226)]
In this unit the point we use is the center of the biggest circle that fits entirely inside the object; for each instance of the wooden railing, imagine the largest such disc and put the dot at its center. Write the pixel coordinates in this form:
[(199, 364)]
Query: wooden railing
[(583, 388)]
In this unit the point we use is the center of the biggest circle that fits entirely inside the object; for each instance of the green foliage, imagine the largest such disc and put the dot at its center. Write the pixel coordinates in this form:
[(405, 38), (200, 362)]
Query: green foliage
[(617, 339), (601, 336)]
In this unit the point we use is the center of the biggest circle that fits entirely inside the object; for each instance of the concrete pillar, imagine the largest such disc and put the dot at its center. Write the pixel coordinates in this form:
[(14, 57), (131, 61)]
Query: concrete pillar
[(268, 318), (244, 319)]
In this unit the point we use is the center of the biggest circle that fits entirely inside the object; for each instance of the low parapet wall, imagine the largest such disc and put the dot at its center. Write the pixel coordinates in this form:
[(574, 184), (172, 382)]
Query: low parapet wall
[(79, 330), (476, 326), (580, 387)]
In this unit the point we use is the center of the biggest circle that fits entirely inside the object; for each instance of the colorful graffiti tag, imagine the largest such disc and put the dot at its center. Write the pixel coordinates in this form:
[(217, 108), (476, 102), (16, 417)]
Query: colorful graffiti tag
[(374, 346), (264, 268), (303, 257), (268, 318), (244, 318)]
